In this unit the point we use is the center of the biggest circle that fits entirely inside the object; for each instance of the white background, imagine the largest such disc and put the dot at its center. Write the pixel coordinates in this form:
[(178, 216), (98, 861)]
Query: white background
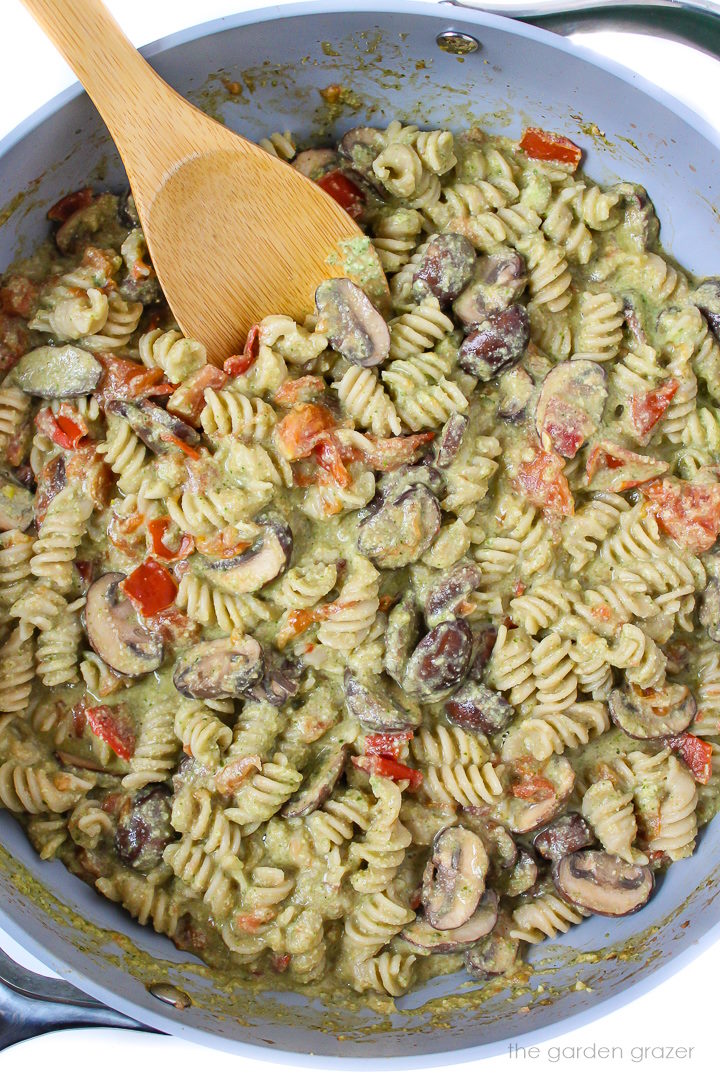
[(683, 1011)]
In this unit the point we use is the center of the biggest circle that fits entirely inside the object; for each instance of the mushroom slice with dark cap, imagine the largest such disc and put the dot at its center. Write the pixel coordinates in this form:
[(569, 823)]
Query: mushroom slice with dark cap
[(450, 440), (426, 939), (445, 267), (496, 954), (316, 162), (373, 705), (563, 836), (707, 297), (116, 632), (360, 146), (402, 530), (145, 829), (454, 878), (439, 661), (519, 878), (351, 323), (17, 508), (319, 785), (223, 668), (652, 714), (156, 427), (57, 371), (446, 597), (710, 604), (602, 884), (266, 558), (496, 344), (499, 280), (475, 707), (401, 635)]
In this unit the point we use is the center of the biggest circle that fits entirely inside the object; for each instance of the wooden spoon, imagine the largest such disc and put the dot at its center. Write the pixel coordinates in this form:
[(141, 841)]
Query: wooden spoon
[(234, 233)]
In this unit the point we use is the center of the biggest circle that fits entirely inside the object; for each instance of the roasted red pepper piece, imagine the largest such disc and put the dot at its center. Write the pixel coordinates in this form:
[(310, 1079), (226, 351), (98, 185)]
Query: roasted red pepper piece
[(114, 727), (151, 587), (343, 191), (65, 431), (156, 530), (690, 513), (302, 428), (328, 452), (238, 365), (128, 381), (388, 766), (544, 484), (188, 401), (695, 752), (548, 146), (387, 744), (70, 204), (646, 409)]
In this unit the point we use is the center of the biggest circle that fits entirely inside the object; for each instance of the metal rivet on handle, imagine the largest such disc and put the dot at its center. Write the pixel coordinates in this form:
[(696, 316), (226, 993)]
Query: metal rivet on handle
[(453, 41), (170, 995)]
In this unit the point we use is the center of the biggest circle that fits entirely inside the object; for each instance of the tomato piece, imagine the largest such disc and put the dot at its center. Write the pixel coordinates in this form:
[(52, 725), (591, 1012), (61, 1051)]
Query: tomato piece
[(611, 467), (64, 431), (303, 427), (304, 389), (114, 727), (544, 484), (532, 788), (156, 530), (18, 296), (70, 204), (387, 744), (387, 454), (388, 766), (150, 587), (328, 452), (343, 191), (280, 962), (549, 146), (296, 622), (238, 365), (646, 409), (695, 752), (689, 512), (188, 401), (129, 381)]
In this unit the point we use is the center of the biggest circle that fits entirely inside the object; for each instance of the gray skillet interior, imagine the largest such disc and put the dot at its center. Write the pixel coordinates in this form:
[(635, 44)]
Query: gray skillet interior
[(388, 56)]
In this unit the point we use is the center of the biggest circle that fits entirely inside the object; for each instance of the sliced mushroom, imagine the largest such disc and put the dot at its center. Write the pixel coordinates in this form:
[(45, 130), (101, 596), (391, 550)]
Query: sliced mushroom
[(641, 223), (439, 661), (516, 392), (115, 631), (448, 596), (538, 802), (57, 371), (450, 440), (496, 344), (707, 298), (224, 668), (499, 844), (401, 635), (351, 323), (454, 878), (127, 211), (426, 940), (571, 404), (145, 289), (499, 280), (266, 558), (567, 834), (405, 477), (445, 267), (316, 162), (484, 638), (319, 785), (279, 684), (602, 884), (16, 504), (475, 707), (652, 714), (360, 146), (74, 234), (400, 531), (154, 426), (372, 704), (496, 955), (519, 878), (710, 603), (145, 829)]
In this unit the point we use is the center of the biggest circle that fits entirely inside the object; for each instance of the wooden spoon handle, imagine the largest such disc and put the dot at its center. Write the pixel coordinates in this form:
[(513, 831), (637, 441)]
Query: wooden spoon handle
[(131, 98)]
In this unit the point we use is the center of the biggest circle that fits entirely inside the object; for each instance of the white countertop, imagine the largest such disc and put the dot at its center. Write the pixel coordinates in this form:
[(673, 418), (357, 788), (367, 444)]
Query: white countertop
[(664, 1031)]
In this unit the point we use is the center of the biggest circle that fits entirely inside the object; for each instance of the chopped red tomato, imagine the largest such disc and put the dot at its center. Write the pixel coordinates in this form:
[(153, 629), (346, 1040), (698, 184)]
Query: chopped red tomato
[(387, 454), (238, 365), (328, 453), (544, 484), (548, 146), (646, 409), (690, 513), (387, 744), (388, 766), (188, 401), (114, 727), (157, 528), (565, 425), (304, 389), (65, 430), (343, 191), (611, 467), (696, 753), (532, 788), (303, 427), (18, 296), (150, 587), (296, 622), (70, 204), (128, 381)]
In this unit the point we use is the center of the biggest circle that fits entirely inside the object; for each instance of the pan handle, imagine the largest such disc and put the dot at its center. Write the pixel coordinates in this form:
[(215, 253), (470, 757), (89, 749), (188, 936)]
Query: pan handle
[(693, 22), (32, 1004)]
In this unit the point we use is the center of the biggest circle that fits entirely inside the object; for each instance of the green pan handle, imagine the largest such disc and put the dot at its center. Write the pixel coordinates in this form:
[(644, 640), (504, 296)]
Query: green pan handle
[(692, 22)]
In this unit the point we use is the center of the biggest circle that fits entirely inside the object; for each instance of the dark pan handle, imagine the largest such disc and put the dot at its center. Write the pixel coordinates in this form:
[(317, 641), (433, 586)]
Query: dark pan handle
[(33, 1005), (693, 22)]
